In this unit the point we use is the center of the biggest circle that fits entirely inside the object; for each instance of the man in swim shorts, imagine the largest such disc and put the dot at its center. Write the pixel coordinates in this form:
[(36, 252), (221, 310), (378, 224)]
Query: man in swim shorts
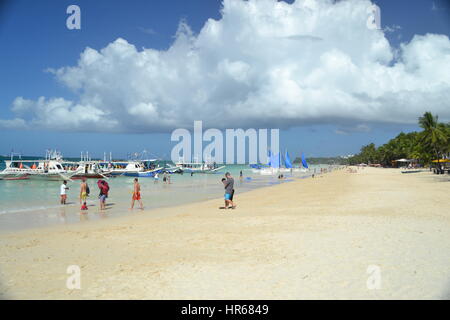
[(229, 191), (83, 191), (136, 194)]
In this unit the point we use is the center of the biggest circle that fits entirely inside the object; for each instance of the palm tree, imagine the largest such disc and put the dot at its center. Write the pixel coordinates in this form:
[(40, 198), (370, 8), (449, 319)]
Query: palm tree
[(433, 136)]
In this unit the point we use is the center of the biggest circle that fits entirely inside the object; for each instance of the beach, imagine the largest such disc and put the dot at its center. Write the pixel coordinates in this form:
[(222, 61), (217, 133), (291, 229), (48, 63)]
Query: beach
[(312, 238)]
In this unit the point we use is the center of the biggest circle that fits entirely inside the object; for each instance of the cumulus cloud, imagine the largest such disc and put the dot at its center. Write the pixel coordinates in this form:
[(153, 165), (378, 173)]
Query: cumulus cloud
[(264, 63)]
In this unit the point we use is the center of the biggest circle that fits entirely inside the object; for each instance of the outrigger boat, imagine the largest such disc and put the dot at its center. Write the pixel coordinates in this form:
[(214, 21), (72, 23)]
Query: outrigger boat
[(198, 167), (90, 170), (50, 168), (118, 168)]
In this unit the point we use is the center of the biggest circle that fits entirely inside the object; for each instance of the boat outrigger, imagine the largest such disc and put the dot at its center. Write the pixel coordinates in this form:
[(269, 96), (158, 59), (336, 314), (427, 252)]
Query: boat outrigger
[(50, 168), (198, 167)]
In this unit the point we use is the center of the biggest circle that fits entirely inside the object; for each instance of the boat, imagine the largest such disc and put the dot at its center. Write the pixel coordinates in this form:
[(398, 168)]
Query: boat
[(305, 166), (142, 168), (50, 168), (198, 167), (144, 174), (90, 170), (411, 171), (172, 169), (274, 166), (117, 168)]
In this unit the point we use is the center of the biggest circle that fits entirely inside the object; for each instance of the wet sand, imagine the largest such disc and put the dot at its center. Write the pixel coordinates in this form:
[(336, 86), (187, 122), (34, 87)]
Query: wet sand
[(375, 234)]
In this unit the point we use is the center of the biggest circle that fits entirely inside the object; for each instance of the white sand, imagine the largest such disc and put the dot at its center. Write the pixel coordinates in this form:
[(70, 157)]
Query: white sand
[(308, 239)]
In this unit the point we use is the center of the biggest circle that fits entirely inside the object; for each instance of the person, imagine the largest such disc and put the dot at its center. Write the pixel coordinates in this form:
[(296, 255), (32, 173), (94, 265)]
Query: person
[(104, 189), (241, 175), (83, 193), (229, 191), (63, 192), (165, 177), (136, 194), (156, 177)]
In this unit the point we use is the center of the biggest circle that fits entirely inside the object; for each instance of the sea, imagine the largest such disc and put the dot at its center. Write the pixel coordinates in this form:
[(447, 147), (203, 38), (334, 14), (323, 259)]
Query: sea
[(26, 204)]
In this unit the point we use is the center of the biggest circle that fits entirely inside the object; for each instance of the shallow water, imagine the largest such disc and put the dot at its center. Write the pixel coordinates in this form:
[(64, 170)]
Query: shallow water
[(28, 204)]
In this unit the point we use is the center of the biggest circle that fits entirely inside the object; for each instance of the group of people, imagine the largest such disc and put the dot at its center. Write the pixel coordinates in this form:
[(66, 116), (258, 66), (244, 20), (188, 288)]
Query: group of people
[(104, 190), (228, 182)]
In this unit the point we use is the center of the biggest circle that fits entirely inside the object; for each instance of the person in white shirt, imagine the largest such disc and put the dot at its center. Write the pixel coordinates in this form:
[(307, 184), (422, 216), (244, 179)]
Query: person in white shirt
[(63, 192)]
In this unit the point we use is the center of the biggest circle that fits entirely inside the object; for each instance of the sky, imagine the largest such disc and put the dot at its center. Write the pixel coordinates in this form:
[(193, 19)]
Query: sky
[(137, 70)]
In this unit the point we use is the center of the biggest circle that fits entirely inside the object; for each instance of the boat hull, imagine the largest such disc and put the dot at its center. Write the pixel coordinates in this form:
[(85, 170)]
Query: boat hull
[(143, 174)]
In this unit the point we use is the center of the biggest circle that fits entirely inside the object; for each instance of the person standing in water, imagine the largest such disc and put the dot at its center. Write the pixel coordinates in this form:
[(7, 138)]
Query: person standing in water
[(83, 192), (63, 192), (104, 189), (136, 194)]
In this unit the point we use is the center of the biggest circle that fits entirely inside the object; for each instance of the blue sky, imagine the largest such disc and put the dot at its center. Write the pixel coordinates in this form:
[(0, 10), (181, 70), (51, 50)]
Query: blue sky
[(34, 38)]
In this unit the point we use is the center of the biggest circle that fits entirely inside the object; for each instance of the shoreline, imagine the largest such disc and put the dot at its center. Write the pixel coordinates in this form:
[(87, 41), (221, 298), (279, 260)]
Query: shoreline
[(308, 239), (112, 213)]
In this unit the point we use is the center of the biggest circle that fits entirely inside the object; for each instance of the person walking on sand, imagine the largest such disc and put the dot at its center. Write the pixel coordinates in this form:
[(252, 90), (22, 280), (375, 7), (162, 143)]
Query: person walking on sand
[(63, 192), (136, 194), (229, 191)]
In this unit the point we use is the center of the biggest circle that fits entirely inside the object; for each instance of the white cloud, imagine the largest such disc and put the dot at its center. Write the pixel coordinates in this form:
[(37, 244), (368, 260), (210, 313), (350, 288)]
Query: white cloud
[(263, 64)]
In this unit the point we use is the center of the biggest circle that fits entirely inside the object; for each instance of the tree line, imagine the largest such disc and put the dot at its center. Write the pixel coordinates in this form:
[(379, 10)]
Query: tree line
[(433, 142)]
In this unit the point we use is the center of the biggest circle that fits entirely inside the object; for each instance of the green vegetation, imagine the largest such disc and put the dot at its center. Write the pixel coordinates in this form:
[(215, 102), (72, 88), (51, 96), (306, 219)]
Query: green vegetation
[(433, 142), (324, 160)]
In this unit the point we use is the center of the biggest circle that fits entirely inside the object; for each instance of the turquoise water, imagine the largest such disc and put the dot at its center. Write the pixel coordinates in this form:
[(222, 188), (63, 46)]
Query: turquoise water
[(29, 204)]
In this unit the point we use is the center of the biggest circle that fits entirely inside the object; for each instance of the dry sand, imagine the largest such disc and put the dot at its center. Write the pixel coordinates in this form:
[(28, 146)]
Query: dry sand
[(307, 239)]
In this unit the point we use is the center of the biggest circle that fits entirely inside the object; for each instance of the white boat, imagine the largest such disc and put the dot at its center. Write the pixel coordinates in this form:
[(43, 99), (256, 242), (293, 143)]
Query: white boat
[(50, 168), (132, 168), (198, 167), (118, 168)]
